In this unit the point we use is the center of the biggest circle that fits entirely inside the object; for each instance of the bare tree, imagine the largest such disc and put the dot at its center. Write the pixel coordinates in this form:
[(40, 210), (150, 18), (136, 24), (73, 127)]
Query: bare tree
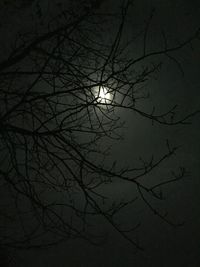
[(61, 89)]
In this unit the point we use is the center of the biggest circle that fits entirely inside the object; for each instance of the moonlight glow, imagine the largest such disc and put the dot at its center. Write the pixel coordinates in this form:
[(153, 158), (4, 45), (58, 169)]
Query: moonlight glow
[(103, 95)]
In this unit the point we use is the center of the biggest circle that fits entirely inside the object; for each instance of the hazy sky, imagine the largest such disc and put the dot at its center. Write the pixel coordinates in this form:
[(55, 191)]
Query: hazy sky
[(164, 246)]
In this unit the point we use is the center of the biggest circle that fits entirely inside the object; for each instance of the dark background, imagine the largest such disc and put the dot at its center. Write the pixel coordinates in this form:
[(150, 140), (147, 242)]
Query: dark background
[(164, 245)]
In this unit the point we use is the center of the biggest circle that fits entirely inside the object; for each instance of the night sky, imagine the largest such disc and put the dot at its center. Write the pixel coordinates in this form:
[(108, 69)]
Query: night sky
[(163, 245)]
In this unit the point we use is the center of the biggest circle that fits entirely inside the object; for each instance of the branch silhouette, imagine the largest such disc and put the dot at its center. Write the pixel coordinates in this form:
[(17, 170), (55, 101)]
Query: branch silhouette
[(52, 125)]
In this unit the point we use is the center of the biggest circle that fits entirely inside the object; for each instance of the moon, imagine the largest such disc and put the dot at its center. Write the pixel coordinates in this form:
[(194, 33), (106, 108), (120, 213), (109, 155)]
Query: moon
[(103, 95)]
